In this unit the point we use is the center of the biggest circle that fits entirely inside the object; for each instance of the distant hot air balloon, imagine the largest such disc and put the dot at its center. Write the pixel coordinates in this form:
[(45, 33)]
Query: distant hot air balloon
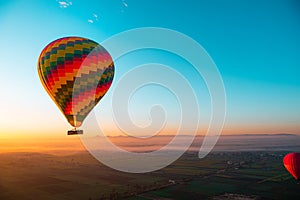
[(76, 72), (292, 163)]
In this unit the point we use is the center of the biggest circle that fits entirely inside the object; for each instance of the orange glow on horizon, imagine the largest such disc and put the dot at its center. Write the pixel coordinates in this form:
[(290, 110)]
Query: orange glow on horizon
[(41, 145), (59, 141), (227, 130)]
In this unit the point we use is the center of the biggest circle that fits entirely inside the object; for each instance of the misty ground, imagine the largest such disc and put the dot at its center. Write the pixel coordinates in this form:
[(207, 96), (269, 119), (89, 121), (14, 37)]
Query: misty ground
[(254, 172)]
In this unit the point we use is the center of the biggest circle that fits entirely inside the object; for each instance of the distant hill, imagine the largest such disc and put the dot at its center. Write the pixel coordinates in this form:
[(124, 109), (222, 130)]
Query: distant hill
[(223, 135), (264, 134)]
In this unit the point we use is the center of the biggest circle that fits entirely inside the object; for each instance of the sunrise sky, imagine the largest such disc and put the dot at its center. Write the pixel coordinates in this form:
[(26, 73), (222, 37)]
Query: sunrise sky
[(255, 45)]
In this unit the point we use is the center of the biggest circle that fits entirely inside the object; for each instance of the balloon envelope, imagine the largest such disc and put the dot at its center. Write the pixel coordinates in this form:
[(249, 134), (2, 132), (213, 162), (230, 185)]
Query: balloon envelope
[(76, 72), (292, 163)]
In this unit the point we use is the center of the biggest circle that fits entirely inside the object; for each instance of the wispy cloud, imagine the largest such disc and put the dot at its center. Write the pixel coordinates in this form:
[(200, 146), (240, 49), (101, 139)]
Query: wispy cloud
[(124, 3), (94, 19), (64, 4), (95, 16), (125, 6)]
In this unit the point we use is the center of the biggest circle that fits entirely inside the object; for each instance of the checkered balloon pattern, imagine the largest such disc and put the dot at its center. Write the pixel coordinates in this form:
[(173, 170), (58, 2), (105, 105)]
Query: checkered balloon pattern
[(76, 72)]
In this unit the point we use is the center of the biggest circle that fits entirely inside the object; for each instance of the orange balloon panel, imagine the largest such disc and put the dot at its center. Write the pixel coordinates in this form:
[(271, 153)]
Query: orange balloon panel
[(76, 72)]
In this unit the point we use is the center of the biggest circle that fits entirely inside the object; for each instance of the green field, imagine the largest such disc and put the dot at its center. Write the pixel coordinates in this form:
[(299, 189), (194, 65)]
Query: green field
[(259, 175), (255, 175)]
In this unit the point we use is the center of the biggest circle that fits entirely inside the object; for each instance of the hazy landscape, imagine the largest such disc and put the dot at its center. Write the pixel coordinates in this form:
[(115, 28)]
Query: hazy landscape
[(241, 167)]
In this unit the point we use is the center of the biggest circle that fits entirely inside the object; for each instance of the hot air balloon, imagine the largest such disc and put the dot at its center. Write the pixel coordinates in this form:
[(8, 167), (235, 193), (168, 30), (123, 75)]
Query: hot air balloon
[(292, 163), (76, 72)]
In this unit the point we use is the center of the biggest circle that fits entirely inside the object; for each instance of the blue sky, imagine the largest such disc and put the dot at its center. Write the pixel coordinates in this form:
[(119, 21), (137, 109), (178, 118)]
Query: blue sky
[(255, 44)]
